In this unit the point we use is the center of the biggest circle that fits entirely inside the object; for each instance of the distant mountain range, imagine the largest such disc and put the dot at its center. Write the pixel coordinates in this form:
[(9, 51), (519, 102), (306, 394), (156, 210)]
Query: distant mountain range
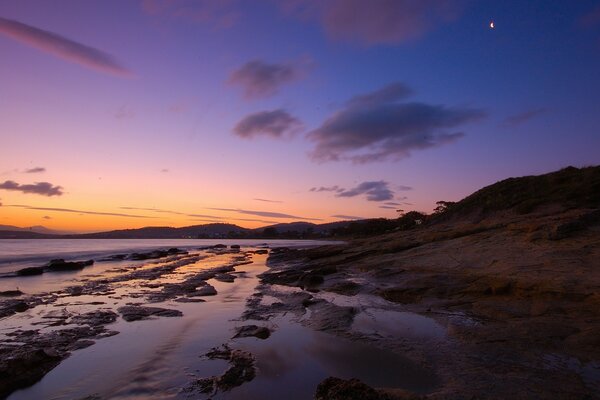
[(34, 229), (207, 231)]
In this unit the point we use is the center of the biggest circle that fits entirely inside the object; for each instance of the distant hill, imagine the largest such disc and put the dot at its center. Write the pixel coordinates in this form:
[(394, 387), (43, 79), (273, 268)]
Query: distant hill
[(293, 230), (36, 229), (568, 188), (164, 232)]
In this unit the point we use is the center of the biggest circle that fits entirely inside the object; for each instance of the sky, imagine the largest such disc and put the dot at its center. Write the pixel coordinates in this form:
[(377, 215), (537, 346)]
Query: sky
[(122, 114)]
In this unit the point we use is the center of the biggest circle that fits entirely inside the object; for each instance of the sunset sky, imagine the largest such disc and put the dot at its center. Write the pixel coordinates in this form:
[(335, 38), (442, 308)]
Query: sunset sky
[(123, 114)]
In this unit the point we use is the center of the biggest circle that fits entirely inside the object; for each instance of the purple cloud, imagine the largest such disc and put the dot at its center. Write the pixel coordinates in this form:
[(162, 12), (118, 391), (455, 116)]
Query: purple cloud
[(518, 119), (377, 21), (276, 124), (347, 217), (373, 190), (35, 170), (268, 214), (375, 127), (41, 188), (269, 201), (62, 47), (259, 79), (69, 210), (220, 14), (334, 188)]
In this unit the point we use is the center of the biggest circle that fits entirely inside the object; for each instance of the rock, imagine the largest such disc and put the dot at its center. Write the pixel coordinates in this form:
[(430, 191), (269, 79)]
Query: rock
[(339, 389), (95, 318), (20, 306), (189, 300), (218, 246), (242, 370), (261, 251), (206, 290), (62, 265), (11, 293), (136, 313), (225, 278), (30, 271), (260, 332), (234, 246), (346, 288)]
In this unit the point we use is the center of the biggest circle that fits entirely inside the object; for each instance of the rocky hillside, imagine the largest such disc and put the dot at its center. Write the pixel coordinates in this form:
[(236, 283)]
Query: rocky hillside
[(512, 272)]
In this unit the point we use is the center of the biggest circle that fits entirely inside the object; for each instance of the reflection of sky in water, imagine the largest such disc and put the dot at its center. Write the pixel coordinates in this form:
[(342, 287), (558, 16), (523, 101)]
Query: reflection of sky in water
[(154, 359)]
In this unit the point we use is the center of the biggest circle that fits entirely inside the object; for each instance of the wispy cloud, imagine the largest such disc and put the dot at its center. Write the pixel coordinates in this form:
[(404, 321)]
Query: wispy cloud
[(216, 13), (275, 124), (269, 201), (389, 207), (62, 47), (520, 118), (334, 188), (35, 170), (161, 211), (376, 127), (41, 188), (346, 217), (376, 21), (372, 190), (70, 210), (269, 214), (125, 112), (47, 217), (260, 79)]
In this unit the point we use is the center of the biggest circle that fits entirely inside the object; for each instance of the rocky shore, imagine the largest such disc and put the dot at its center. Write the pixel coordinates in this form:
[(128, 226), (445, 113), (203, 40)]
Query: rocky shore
[(518, 294)]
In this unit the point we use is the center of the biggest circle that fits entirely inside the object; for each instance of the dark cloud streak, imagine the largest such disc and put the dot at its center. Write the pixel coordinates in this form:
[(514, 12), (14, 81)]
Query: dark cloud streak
[(69, 210), (375, 127), (373, 190), (259, 79), (41, 188), (62, 47), (275, 124)]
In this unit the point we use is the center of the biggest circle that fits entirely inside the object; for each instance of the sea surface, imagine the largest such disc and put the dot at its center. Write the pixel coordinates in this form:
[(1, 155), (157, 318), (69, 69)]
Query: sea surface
[(20, 253)]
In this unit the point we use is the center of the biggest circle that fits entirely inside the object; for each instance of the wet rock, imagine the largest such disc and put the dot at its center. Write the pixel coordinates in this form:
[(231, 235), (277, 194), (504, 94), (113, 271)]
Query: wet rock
[(11, 293), (225, 278), (62, 265), (218, 246), (115, 257), (235, 246), (95, 318), (327, 316), (339, 389), (260, 332), (25, 367), (242, 370), (346, 288), (12, 306), (136, 313), (261, 251), (353, 389), (189, 300), (156, 254), (206, 290), (30, 271)]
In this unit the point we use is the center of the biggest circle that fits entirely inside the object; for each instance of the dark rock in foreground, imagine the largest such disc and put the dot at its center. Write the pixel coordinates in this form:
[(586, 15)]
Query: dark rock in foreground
[(136, 313), (260, 332), (242, 369), (353, 389), (11, 293), (31, 271), (62, 265)]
